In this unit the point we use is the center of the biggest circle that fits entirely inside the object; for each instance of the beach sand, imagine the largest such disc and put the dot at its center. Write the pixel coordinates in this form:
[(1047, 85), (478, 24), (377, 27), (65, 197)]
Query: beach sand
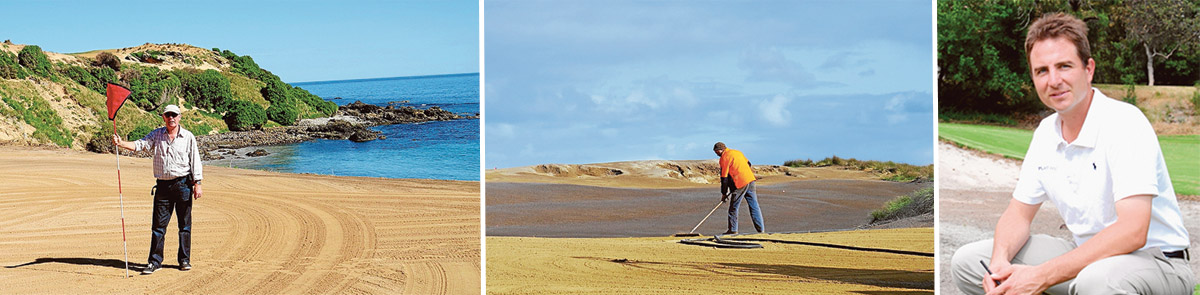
[(253, 231)]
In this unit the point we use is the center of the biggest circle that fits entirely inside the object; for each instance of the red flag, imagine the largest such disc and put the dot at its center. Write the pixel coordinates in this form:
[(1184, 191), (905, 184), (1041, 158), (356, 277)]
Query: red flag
[(116, 98)]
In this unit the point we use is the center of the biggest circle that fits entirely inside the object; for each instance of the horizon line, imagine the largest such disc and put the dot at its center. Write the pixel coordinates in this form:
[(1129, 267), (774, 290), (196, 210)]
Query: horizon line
[(384, 78)]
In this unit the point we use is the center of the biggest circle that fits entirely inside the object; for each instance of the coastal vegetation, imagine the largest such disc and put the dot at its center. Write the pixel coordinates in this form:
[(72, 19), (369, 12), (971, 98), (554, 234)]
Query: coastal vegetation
[(218, 90), (890, 171), (913, 204)]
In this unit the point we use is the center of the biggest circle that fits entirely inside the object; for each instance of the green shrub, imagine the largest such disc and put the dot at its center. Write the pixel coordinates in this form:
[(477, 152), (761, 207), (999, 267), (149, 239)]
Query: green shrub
[(245, 115), (1130, 94), (326, 108), (82, 76), (208, 90), (32, 58), (138, 132), (913, 204), (283, 113), (10, 68), (890, 171), (954, 116)]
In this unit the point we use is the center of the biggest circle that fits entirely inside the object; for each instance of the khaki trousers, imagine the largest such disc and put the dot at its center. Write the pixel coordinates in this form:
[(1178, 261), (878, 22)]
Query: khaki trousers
[(1144, 271)]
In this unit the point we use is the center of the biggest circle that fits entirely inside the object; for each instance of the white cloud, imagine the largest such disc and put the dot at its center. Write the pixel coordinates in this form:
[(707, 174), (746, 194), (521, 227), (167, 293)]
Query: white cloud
[(502, 130), (774, 110)]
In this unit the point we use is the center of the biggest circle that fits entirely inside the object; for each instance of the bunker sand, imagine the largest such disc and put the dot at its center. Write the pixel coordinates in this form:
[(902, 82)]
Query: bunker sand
[(661, 265)]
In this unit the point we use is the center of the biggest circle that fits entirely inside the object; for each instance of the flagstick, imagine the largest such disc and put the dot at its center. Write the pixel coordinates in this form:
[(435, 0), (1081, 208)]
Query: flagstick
[(121, 194)]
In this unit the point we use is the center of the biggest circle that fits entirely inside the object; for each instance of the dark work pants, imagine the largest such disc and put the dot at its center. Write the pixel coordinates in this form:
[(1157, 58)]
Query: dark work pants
[(174, 195)]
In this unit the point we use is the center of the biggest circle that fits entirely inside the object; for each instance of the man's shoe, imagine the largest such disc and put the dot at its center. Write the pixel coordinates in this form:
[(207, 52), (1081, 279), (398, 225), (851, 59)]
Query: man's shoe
[(730, 233), (185, 266), (149, 269)]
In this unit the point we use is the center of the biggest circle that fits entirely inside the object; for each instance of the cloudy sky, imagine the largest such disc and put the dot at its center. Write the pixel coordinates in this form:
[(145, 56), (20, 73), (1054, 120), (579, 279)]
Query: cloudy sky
[(601, 81), (301, 41)]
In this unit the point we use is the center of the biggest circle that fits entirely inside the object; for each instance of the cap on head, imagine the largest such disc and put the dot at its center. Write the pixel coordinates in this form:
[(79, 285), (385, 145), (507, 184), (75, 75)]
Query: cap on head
[(1056, 25), (171, 109), (720, 146)]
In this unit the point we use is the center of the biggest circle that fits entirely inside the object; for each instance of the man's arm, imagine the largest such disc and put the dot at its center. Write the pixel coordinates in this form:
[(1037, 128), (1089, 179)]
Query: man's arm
[(124, 144), (1126, 235), (1012, 231)]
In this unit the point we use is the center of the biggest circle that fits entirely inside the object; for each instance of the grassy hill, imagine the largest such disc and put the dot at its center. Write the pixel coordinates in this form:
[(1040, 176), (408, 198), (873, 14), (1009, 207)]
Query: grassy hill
[(56, 99), (1182, 152)]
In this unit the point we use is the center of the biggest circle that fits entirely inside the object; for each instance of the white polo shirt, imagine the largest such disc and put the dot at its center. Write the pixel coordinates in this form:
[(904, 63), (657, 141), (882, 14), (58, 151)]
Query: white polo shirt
[(1115, 156)]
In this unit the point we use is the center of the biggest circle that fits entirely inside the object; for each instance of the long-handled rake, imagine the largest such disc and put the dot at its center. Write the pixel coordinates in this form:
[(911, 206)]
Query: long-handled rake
[(693, 232)]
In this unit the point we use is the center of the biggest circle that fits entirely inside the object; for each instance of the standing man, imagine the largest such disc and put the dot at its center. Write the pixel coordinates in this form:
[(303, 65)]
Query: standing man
[(178, 170), (737, 180), (1099, 161)]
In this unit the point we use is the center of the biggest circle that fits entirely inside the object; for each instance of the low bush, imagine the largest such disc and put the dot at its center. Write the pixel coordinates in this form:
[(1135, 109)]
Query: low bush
[(105, 59), (207, 90), (138, 132), (283, 113), (10, 68), (31, 57), (245, 115), (913, 204)]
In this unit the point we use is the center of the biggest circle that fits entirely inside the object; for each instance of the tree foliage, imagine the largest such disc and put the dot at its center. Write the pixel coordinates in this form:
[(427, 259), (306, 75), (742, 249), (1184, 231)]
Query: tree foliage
[(1162, 27), (982, 67), (208, 90), (244, 115)]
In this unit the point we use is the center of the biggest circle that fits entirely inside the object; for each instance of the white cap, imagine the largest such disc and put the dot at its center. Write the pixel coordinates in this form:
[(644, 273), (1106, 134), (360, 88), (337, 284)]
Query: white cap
[(171, 109)]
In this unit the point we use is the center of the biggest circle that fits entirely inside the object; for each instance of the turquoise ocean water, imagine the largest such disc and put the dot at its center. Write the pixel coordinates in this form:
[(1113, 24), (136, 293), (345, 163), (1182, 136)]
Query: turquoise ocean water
[(433, 150)]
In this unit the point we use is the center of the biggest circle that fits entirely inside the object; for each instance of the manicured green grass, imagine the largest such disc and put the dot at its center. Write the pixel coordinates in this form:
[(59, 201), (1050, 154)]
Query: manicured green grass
[(1004, 141), (1182, 152)]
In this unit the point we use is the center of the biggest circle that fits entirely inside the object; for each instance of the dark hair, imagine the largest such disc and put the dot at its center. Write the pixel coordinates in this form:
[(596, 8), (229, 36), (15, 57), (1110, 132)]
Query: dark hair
[(1056, 25), (720, 146)]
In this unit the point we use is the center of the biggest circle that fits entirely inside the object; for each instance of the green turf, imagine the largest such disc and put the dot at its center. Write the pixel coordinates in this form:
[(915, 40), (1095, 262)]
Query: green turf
[(1182, 152), (1005, 141)]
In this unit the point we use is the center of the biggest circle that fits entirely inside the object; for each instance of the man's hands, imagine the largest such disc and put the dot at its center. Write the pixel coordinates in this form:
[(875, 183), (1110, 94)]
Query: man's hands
[(1015, 279), (197, 192), (724, 197)]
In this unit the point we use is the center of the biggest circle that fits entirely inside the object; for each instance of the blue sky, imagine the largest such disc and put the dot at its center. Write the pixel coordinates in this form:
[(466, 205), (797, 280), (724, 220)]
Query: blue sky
[(603, 81), (298, 40)]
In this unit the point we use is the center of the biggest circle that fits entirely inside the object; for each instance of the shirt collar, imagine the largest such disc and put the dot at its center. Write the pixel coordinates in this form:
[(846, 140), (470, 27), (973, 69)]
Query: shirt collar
[(1091, 124)]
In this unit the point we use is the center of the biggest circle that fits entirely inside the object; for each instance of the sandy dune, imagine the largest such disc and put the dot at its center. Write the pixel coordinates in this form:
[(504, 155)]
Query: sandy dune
[(661, 265), (253, 232)]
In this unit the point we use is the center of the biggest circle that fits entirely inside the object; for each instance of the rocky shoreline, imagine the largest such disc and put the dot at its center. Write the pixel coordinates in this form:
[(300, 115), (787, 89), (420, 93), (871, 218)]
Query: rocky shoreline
[(351, 122)]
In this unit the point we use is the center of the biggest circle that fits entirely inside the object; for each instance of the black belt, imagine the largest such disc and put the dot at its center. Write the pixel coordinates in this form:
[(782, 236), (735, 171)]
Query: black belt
[(1178, 254)]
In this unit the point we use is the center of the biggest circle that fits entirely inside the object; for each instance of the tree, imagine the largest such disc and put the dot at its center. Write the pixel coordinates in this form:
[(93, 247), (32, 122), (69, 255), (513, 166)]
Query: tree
[(1162, 27)]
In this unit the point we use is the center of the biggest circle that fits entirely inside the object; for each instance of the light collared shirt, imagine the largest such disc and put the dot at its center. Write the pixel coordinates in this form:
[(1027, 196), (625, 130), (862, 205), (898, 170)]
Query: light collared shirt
[(1116, 156), (173, 158)]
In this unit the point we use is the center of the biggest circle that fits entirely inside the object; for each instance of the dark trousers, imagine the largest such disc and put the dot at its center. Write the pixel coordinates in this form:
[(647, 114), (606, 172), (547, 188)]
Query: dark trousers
[(751, 195), (171, 195)]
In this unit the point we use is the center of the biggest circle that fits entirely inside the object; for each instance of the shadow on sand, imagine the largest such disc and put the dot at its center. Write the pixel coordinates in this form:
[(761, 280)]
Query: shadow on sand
[(875, 277), (114, 263)]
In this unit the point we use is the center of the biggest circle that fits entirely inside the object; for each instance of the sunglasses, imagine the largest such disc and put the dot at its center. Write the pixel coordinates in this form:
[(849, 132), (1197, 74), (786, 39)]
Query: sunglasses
[(171, 115)]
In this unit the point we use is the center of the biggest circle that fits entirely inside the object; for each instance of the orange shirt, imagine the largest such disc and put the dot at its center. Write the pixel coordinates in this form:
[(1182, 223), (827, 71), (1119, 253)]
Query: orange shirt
[(735, 164)]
